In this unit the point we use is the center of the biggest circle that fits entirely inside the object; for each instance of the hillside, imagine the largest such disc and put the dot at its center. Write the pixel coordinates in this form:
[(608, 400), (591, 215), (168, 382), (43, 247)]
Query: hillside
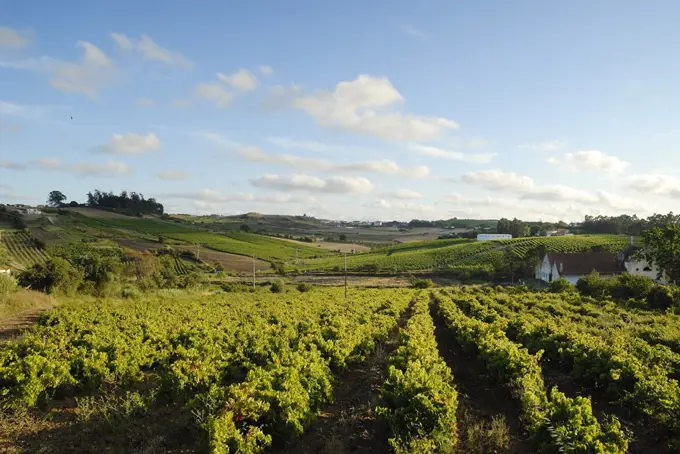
[(461, 254), (232, 249)]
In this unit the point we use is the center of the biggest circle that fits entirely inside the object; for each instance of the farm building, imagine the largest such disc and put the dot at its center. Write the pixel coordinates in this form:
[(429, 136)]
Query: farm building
[(493, 236), (33, 211), (574, 266)]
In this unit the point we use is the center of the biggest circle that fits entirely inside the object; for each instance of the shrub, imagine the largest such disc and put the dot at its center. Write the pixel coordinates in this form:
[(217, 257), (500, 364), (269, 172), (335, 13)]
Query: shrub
[(594, 285), (8, 287), (422, 283), (561, 286), (660, 297), (130, 291), (236, 287), (628, 286), (277, 287), (55, 276), (303, 287)]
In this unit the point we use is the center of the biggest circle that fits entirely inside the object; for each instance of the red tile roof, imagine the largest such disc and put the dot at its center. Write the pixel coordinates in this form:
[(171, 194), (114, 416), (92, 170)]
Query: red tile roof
[(585, 262)]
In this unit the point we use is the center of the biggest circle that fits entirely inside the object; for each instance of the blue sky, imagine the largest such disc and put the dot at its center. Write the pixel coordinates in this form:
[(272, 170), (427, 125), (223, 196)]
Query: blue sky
[(370, 110)]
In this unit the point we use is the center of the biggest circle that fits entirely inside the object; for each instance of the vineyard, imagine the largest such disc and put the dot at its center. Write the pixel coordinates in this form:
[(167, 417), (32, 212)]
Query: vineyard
[(462, 254), (251, 372), (22, 249)]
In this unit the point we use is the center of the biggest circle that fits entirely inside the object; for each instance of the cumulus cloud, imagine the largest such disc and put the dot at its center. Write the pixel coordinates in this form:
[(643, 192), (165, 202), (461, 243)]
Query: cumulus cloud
[(332, 185), (131, 144), (213, 199), (498, 180), (547, 147), (242, 80), (364, 105), (657, 184), (214, 92), (435, 152), (93, 72), (591, 160), (31, 112), (145, 102), (148, 48), (266, 70), (14, 39), (382, 166), (407, 194), (173, 175)]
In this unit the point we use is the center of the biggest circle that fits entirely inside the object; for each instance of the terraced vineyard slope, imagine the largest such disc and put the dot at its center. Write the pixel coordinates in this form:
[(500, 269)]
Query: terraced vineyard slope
[(22, 249)]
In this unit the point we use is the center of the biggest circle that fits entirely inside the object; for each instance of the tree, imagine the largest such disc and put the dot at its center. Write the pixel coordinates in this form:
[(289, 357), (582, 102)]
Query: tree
[(661, 246), (245, 228), (55, 198)]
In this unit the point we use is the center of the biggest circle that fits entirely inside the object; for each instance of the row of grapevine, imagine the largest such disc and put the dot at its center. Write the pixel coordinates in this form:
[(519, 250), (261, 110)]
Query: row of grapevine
[(22, 249), (555, 420), (257, 367), (418, 399)]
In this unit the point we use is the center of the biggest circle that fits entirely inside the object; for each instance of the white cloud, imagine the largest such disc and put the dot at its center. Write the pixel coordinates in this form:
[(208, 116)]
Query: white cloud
[(657, 184), (173, 175), (148, 48), (498, 180), (145, 102), (266, 70), (363, 105), (478, 158), (314, 164), (416, 33), (477, 142), (333, 185), (214, 92), (80, 169), (110, 168), (407, 194), (285, 142), (131, 144), (209, 196), (242, 80), (94, 72), (31, 112), (560, 193), (548, 146), (14, 39), (400, 209), (591, 160), (216, 138)]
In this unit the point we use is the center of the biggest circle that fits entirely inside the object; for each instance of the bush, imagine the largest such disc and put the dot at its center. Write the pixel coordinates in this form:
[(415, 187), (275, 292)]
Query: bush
[(8, 287), (303, 287), (422, 283), (131, 292), (277, 287), (561, 286), (660, 297), (594, 285), (237, 287), (628, 286), (55, 276)]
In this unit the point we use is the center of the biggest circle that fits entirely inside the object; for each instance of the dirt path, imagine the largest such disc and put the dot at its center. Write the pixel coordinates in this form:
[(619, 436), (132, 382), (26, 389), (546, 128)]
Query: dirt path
[(350, 425), (12, 326), (479, 401)]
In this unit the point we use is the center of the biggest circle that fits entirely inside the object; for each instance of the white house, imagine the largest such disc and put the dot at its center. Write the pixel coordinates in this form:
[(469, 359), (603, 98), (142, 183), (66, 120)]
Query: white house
[(574, 266), (639, 266), (33, 211), (493, 236)]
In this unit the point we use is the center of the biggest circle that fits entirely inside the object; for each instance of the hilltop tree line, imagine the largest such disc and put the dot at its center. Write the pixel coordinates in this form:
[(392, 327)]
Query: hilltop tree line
[(133, 203)]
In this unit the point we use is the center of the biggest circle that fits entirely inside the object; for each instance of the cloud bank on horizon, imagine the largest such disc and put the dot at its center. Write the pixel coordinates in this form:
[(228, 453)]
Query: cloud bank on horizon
[(336, 114)]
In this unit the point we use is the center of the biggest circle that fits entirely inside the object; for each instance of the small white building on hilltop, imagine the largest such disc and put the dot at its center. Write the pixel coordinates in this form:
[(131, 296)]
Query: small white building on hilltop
[(493, 236)]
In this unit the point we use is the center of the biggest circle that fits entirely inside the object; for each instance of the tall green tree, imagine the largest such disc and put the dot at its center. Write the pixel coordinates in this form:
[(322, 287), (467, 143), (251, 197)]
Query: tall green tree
[(661, 246), (55, 198)]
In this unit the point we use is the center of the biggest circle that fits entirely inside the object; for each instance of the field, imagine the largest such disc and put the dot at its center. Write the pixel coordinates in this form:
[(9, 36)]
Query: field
[(461, 254), (22, 250), (464, 370)]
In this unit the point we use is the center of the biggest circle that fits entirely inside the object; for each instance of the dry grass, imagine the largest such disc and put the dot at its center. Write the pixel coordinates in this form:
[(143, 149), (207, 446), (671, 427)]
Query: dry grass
[(343, 247), (25, 300)]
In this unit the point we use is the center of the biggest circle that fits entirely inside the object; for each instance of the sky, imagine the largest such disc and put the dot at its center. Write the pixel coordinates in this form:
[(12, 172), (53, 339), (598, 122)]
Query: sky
[(378, 110)]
